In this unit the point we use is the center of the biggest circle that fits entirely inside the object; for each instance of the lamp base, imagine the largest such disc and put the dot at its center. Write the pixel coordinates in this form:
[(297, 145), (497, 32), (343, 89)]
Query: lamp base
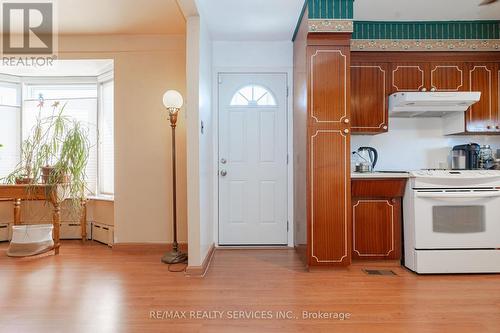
[(174, 257)]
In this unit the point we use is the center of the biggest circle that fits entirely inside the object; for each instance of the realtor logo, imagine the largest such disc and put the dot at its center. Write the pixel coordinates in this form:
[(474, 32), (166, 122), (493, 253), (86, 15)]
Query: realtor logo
[(28, 28)]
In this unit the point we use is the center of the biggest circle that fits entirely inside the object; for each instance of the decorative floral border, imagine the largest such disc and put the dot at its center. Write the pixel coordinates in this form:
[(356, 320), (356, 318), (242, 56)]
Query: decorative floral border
[(425, 45), (322, 25)]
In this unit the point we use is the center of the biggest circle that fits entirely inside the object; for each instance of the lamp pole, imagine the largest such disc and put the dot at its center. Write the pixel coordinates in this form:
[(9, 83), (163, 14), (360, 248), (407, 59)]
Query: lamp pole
[(173, 102)]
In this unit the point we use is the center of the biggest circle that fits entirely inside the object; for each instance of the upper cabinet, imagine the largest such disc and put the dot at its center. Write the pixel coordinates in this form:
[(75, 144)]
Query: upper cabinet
[(407, 76), (483, 117), (447, 76), (369, 91), (374, 77), (435, 76)]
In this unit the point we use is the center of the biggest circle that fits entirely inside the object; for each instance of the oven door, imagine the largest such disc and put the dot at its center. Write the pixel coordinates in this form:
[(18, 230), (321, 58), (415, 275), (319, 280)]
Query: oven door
[(457, 219)]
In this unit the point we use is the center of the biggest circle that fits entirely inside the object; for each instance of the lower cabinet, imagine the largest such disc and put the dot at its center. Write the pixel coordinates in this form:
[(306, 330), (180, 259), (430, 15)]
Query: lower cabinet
[(376, 225), (377, 218)]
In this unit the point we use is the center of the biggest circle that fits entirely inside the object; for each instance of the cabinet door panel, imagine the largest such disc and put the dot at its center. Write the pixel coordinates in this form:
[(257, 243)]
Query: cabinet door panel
[(408, 77), (481, 117), (376, 228), (369, 93), (328, 84), (328, 184), (330, 197), (448, 76)]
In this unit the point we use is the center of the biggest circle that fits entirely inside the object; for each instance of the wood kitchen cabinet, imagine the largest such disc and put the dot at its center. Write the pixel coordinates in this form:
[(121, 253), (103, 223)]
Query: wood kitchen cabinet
[(328, 164), (369, 91), (484, 116), (448, 76), (409, 76), (418, 76), (376, 218), (417, 71)]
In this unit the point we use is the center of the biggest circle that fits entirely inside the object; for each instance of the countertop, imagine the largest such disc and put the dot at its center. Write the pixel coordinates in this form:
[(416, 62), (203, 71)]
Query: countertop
[(371, 175)]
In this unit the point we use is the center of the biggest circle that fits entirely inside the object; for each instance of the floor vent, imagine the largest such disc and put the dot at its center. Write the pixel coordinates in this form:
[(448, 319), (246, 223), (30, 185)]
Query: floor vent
[(379, 272)]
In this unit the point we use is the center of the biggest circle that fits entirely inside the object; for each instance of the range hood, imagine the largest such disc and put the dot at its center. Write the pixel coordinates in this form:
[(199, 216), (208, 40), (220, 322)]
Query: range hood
[(430, 104)]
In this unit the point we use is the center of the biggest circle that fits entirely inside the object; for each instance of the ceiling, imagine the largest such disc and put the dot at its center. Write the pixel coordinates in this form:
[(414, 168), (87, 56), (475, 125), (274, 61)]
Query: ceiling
[(274, 20), (256, 20), (61, 68), (120, 17), (428, 10)]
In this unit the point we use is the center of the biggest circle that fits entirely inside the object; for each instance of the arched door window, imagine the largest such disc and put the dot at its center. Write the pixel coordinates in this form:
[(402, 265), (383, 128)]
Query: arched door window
[(253, 95)]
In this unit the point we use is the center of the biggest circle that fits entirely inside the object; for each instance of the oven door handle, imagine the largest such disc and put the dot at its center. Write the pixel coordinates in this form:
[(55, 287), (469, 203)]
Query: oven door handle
[(465, 195)]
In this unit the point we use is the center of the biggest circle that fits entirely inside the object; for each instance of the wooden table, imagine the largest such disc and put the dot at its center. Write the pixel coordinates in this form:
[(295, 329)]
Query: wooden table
[(55, 194)]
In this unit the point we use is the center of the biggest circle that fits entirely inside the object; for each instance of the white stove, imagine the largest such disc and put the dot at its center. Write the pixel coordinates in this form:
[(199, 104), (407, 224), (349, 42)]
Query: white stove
[(452, 221)]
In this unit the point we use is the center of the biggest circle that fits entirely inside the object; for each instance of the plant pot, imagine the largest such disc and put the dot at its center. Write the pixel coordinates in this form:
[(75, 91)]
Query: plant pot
[(46, 173), (47, 176), (24, 181)]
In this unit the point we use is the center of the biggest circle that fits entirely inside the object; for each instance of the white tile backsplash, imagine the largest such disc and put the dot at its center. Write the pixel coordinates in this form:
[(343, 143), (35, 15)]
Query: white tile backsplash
[(417, 143)]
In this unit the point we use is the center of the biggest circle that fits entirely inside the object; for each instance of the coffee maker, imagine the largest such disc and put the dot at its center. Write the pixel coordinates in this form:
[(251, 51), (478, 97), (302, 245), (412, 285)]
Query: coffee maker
[(465, 157)]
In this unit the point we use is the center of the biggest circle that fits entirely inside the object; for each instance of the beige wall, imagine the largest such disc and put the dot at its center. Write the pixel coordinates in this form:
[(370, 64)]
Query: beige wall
[(145, 66)]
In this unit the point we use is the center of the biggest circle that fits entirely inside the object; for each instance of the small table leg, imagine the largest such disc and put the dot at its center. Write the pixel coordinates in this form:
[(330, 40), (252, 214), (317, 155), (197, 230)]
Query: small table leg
[(56, 220), (17, 211), (83, 220)]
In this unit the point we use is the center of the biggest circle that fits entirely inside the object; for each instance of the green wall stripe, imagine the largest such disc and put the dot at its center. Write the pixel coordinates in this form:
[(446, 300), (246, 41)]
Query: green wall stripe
[(331, 9), (427, 30)]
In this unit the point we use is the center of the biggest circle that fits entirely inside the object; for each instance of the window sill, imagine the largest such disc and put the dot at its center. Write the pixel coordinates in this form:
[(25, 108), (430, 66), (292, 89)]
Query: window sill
[(109, 198)]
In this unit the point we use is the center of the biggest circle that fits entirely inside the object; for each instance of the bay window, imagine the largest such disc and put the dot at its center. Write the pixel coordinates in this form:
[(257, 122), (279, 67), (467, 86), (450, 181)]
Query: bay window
[(91, 103)]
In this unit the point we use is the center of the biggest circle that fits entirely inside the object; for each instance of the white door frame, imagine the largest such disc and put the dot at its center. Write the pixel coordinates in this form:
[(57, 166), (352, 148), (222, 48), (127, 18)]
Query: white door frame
[(215, 139)]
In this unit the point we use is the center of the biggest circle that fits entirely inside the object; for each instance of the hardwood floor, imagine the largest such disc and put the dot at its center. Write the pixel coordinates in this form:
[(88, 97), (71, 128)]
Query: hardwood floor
[(90, 288)]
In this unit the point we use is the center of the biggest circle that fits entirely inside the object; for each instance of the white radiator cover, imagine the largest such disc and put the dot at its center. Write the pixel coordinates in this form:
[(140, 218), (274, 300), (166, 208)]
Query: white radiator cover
[(5, 232), (103, 233)]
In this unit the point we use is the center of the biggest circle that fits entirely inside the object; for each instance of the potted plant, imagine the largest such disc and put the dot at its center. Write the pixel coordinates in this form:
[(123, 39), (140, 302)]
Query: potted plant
[(56, 152)]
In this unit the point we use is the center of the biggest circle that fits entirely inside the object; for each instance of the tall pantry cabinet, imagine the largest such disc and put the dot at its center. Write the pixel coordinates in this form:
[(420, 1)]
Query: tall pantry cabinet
[(322, 129)]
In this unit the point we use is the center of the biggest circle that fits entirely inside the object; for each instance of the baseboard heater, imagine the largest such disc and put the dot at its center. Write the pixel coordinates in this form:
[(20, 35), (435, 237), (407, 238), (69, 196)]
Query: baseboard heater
[(103, 233)]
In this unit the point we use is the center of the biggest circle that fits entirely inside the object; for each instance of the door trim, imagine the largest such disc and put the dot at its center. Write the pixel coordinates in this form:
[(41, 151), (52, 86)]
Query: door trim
[(288, 73)]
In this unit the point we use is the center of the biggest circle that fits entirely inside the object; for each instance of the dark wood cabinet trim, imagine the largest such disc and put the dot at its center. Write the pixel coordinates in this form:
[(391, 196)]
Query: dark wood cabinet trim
[(424, 57)]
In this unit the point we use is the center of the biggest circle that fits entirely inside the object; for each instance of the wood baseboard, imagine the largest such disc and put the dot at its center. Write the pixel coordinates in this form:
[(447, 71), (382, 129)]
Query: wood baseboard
[(200, 271)]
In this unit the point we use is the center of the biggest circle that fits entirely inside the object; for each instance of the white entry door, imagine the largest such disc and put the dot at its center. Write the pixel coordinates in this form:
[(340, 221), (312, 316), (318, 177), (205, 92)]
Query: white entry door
[(252, 159)]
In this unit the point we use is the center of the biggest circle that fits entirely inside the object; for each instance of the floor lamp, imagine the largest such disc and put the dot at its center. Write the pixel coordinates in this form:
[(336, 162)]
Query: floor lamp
[(173, 102)]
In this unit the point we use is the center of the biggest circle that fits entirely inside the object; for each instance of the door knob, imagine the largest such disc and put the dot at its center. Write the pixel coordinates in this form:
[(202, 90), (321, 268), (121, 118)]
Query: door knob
[(223, 160), (223, 173)]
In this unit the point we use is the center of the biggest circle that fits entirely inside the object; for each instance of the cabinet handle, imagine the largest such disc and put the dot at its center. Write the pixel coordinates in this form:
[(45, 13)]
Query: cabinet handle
[(385, 127), (346, 131), (346, 121), (423, 89), (433, 89)]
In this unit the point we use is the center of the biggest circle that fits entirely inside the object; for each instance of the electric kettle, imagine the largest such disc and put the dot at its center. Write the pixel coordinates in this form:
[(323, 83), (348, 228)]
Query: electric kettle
[(368, 155)]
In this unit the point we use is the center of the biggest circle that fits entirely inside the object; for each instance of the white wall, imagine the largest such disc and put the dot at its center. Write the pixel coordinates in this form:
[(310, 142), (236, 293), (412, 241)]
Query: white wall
[(413, 144), (264, 55), (254, 57), (199, 145), (145, 67), (206, 142)]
